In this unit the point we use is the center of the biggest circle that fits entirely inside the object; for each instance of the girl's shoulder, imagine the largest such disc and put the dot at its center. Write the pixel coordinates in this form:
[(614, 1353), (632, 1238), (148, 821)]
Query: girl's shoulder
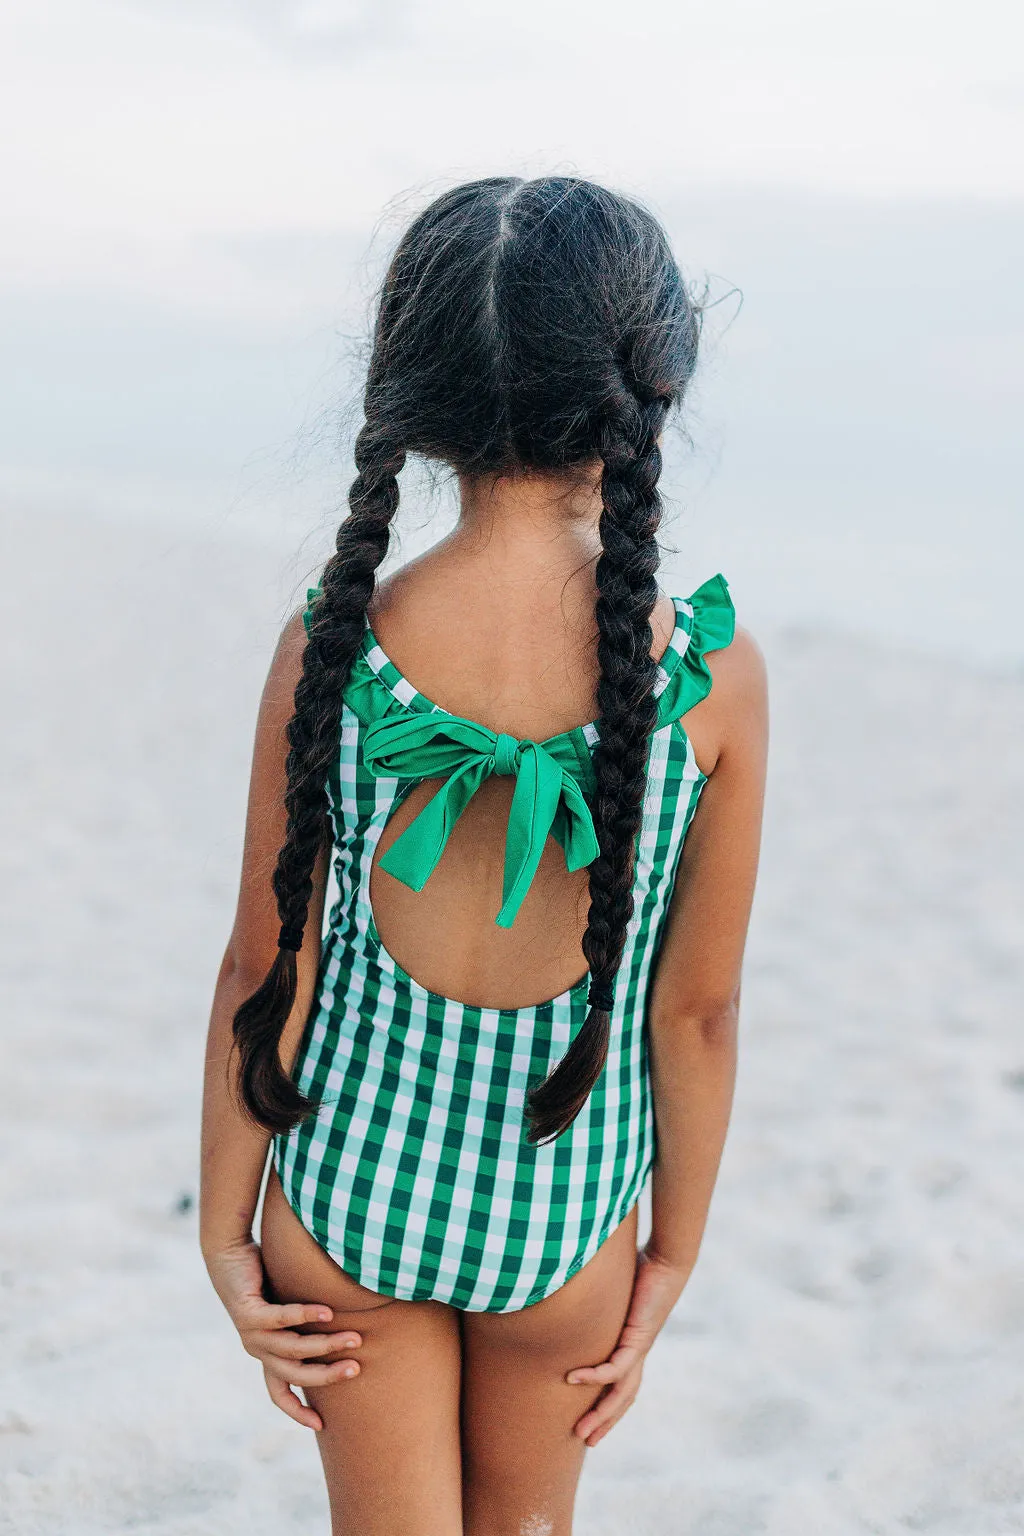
[(286, 664), (739, 676), (718, 686), (733, 715)]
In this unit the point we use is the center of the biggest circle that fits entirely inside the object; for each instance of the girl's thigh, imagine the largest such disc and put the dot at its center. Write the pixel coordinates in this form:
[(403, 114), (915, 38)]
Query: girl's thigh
[(521, 1459), (390, 1441)]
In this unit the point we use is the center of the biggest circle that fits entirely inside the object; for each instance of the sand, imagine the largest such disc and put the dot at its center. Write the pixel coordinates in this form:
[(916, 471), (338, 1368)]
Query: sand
[(848, 1357)]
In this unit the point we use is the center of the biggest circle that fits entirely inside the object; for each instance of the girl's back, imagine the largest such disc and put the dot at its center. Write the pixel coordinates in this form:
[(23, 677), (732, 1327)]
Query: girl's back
[(499, 629)]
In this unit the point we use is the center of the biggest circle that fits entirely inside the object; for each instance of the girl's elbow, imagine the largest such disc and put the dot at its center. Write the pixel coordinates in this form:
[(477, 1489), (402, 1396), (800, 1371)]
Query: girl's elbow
[(711, 1022), (241, 970)]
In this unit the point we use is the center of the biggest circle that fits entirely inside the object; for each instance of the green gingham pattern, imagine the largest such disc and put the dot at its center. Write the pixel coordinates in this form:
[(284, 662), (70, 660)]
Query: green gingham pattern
[(416, 1174)]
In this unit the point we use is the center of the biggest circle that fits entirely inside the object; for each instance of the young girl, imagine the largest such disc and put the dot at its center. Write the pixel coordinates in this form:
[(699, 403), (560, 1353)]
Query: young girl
[(539, 782)]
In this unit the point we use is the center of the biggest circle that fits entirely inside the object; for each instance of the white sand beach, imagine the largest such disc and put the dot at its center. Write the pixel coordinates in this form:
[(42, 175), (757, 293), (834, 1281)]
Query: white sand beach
[(849, 1357)]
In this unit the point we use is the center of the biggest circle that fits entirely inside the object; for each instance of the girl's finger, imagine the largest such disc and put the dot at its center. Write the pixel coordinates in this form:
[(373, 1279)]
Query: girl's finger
[(613, 1369), (310, 1375), (599, 1434), (596, 1375), (602, 1410), (267, 1314), (610, 1406), (284, 1398), (301, 1346)]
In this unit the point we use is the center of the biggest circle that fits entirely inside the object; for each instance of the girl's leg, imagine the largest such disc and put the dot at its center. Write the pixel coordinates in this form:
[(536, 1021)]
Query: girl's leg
[(521, 1459), (390, 1441)]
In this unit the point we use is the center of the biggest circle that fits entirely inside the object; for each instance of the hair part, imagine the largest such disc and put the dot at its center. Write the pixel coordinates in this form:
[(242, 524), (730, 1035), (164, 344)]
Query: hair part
[(522, 325)]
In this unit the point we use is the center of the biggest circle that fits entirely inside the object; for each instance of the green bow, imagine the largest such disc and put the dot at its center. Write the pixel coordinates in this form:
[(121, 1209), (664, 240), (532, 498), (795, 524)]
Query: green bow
[(547, 796)]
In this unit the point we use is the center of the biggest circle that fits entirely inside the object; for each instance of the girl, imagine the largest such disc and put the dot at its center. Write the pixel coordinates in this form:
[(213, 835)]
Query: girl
[(527, 992)]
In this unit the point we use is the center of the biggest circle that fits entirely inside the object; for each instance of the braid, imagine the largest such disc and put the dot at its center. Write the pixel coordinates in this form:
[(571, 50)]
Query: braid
[(627, 708), (267, 1093), (522, 326)]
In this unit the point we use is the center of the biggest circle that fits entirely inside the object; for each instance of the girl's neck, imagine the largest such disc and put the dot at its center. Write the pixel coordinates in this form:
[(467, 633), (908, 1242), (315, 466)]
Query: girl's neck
[(529, 526)]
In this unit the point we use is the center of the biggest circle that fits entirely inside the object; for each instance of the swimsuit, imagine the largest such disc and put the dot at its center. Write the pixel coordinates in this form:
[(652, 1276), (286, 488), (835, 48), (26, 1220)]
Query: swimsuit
[(416, 1174)]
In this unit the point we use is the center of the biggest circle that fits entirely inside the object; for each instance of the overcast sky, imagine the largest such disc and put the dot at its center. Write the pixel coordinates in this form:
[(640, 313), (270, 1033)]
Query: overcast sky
[(135, 136), (188, 190)]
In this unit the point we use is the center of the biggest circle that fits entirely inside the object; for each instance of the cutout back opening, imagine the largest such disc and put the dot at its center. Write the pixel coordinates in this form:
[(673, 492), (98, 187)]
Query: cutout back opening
[(445, 938)]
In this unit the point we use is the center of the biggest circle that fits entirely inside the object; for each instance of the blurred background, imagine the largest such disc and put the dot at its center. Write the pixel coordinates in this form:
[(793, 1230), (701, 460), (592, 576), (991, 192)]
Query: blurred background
[(197, 200), (191, 191)]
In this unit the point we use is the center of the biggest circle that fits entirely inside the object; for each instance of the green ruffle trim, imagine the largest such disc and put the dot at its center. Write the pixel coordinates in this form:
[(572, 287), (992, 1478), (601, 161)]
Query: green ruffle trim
[(312, 593), (711, 629)]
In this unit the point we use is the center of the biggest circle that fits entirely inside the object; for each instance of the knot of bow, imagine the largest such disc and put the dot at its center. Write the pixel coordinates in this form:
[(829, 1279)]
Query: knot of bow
[(547, 796)]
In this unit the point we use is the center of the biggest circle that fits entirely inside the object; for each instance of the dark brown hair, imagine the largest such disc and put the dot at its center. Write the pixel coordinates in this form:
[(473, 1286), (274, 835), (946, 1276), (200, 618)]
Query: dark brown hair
[(522, 325)]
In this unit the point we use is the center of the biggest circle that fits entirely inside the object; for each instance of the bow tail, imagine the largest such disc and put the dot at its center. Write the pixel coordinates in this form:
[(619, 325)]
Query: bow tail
[(534, 806), (573, 826), (413, 856)]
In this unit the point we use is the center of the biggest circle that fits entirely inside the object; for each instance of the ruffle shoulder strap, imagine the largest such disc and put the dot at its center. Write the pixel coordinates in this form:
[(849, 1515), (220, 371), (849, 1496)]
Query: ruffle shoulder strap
[(705, 621), (312, 593)]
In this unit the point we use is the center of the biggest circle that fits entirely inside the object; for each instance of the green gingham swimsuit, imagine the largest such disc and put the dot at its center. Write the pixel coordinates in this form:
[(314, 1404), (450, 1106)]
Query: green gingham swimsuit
[(416, 1174)]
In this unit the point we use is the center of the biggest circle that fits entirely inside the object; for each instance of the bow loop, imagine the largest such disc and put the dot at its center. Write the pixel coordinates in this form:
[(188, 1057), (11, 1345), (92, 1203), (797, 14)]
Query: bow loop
[(506, 754), (547, 798)]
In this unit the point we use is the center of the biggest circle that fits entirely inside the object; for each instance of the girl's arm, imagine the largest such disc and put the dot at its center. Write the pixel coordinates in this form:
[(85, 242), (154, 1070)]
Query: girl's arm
[(693, 1011), (234, 1150)]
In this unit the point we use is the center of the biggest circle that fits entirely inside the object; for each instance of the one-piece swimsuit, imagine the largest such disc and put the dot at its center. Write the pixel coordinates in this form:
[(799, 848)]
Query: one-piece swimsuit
[(416, 1174)]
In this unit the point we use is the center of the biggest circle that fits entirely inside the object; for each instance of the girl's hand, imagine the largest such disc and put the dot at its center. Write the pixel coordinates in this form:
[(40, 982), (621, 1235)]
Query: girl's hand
[(656, 1289), (270, 1332)]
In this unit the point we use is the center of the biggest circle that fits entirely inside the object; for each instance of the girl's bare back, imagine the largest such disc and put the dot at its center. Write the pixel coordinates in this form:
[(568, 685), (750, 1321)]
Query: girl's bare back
[(511, 643)]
